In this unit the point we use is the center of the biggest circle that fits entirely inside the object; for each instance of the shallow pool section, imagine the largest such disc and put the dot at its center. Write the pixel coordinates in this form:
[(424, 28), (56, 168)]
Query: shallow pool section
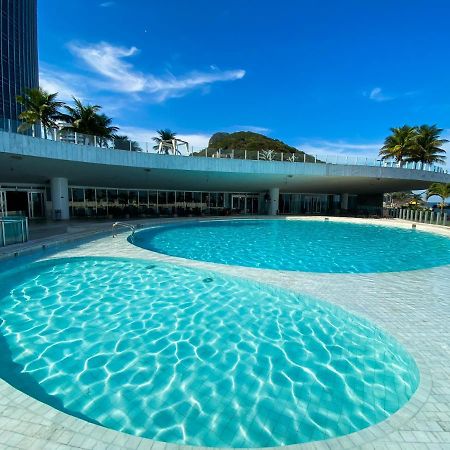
[(300, 245), (191, 357)]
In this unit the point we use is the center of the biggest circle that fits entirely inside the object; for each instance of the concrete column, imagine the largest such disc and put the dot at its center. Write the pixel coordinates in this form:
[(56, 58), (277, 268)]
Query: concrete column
[(60, 197), (274, 199), (344, 202)]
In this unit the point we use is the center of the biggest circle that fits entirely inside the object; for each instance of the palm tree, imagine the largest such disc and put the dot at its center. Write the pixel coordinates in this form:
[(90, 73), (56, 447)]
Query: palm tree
[(105, 130), (427, 147), (442, 190), (86, 119), (163, 135), (125, 143), (399, 144), (40, 107)]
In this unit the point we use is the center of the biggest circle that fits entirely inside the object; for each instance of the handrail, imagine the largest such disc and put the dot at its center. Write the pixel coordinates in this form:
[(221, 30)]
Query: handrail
[(72, 137), (125, 225)]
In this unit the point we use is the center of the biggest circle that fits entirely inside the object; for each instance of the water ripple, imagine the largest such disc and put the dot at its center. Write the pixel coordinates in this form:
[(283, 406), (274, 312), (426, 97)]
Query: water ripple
[(300, 245), (159, 352)]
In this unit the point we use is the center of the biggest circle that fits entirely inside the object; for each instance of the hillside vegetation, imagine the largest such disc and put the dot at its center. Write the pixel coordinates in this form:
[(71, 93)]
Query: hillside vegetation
[(242, 141)]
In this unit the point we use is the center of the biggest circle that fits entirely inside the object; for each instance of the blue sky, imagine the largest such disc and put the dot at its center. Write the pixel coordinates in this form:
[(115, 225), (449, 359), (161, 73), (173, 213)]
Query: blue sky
[(326, 76)]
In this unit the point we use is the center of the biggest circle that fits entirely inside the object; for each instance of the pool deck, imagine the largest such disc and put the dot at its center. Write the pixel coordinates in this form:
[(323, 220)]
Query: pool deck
[(412, 306)]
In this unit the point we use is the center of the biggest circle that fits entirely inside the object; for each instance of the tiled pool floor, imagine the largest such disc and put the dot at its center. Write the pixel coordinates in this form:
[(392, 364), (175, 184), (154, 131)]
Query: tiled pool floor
[(412, 306)]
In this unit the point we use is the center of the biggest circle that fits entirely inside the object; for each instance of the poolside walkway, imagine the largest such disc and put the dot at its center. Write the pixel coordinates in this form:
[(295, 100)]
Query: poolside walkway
[(53, 233)]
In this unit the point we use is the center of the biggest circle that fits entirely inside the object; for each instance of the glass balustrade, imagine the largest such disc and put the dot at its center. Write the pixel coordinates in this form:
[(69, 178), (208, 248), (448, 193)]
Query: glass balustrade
[(13, 230)]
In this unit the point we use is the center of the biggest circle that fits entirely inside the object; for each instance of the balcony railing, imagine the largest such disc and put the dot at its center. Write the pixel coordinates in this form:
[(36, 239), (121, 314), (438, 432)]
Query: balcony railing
[(72, 137)]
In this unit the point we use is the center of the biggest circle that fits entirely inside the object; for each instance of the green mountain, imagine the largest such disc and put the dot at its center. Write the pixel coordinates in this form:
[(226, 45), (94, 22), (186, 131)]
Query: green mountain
[(247, 143)]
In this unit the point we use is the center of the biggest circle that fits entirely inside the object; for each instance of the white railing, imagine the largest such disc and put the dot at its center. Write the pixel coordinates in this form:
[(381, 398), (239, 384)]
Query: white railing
[(72, 137), (419, 215)]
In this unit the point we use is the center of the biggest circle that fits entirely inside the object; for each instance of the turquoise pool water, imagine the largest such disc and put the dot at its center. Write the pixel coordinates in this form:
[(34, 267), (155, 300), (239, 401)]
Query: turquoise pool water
[(191, 357), (299, 245)]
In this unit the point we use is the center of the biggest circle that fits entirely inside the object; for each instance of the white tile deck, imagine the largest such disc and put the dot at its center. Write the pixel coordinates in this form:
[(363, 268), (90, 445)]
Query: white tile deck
[(412, 306)]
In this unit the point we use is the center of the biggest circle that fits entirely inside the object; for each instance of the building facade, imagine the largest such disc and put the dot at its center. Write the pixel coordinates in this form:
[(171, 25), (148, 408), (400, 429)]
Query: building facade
[(19, 53), (57, 179)]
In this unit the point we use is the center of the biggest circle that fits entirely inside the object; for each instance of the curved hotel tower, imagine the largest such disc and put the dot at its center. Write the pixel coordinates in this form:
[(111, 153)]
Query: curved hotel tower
[(19, 53)]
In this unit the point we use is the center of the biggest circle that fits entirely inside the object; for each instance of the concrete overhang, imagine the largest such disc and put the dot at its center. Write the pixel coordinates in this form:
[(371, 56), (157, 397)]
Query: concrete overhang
[(24, 159)]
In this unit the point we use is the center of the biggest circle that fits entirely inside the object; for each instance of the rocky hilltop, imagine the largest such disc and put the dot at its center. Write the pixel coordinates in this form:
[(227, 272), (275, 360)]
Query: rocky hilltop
[(250, 142)]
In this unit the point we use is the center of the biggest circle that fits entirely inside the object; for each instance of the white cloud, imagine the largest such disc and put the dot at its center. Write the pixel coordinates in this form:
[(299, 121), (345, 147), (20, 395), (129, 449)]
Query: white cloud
[(67, 85), (340, 147), (196, 141), (253, 128), (377, 95), (115, 73), (108, 61), (107, 4)]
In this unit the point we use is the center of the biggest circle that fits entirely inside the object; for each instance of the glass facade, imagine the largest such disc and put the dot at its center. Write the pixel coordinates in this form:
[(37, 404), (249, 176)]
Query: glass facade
[(23, 200), (116, 203), (102, 202), (19, 53), (310, 203)]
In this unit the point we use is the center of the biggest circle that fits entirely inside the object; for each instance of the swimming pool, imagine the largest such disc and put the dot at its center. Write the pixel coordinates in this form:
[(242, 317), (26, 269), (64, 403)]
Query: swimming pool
[(192, 357), (300, 245)]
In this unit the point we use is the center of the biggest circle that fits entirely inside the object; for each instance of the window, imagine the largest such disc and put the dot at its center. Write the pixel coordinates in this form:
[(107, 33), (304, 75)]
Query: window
[(112, 197), (89, 195), (78, 196), (197, 197), (133, 198), (180, 198), (162, 199), (101, 197), (143, 198), (123, 198), (153, 198), (171, 198)]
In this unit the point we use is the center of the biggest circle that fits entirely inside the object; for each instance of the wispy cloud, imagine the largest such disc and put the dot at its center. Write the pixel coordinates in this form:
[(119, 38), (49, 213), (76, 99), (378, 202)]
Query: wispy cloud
[(69, 85), (66, 84), (325, 147), (108, 62), (377, 95), (114, 72), (253, 128), (107, 4)]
